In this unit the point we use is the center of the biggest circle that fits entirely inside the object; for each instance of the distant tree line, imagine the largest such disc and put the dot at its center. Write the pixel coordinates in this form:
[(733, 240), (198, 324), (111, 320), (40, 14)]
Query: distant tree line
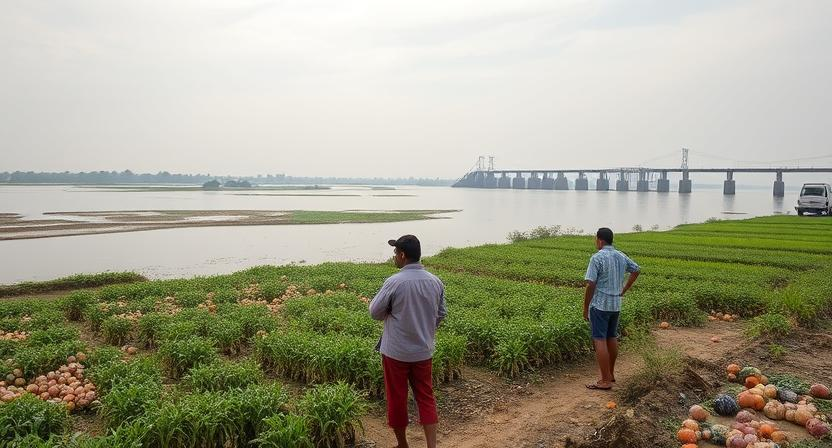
[(164, 177)]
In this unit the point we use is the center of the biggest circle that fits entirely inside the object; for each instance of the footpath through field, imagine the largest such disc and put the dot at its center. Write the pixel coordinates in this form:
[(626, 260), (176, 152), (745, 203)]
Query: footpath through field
[(560, 407)]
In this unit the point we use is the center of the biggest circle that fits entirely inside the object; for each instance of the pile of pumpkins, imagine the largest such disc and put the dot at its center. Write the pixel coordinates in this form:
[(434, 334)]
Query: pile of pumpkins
[(746, 434), (66, 385), (724, 317), (13, 335)]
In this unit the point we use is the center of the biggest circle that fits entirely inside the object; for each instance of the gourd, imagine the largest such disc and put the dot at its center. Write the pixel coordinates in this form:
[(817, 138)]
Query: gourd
[(746, 400), (802, 416), (817, 428), (745, 416), (748, 371), (719, 434), (771, 391), (779, 437), (698, 413), (819, 391), (691, 424), (726, 406), (751, 382), (787, 395), (775, 410), (733, 368), (765, 431), (686, 435)]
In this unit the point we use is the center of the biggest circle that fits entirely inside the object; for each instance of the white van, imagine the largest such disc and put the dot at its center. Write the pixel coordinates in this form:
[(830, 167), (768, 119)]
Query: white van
[(815, 198)]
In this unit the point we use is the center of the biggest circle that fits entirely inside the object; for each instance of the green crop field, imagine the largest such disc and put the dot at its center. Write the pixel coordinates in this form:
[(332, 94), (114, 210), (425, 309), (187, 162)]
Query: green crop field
[(284, 356)]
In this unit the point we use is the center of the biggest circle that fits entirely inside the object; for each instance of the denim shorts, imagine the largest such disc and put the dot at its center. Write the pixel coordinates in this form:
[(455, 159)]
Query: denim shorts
[(604, 324)]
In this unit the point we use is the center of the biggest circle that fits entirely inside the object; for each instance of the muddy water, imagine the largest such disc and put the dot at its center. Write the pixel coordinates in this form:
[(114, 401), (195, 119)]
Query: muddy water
[(486, 216)]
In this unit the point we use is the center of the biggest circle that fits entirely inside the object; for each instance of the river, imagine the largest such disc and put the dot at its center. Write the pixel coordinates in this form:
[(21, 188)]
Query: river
[(485, 216)]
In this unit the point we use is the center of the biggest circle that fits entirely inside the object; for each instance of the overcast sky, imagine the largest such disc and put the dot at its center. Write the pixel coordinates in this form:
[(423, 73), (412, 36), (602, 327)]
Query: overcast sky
[(392, 88)]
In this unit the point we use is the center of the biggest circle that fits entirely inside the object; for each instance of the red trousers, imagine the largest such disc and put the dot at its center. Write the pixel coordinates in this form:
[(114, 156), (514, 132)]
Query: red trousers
[(419, 375)]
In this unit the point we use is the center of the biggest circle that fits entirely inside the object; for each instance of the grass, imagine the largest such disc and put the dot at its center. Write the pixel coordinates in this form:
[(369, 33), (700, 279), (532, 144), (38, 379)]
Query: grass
[(78, 281), (659, 365), (216, 349)]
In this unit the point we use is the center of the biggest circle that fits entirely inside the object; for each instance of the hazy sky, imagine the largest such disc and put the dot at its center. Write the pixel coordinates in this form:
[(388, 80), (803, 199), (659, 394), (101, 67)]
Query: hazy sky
[(393, 88)]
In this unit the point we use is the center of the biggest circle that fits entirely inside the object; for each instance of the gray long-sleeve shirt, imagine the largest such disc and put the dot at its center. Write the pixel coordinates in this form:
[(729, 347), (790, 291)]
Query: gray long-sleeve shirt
[(412, 304)]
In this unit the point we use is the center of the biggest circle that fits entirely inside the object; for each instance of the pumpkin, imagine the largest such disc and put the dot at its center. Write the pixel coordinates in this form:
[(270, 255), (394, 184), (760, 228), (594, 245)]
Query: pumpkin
[(763, 380), (745, 372), (778, 437), (664, 325), (611, 405), (745, 416), (765, 431), (751, 382), (790, 414), (726, 406), (788, 395), (690, 424), (719, 434), (817, 428), (771, 391), (802, 416), (686, 435), (775, 410), (689, 445), (819, 391), (732, 378), (698, 413), (706, 434), (736, 441), (746, 399), (733, 368)]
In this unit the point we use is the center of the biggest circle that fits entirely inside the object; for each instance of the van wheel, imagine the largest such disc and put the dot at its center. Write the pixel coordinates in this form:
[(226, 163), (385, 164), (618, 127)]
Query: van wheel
[(800, 213)]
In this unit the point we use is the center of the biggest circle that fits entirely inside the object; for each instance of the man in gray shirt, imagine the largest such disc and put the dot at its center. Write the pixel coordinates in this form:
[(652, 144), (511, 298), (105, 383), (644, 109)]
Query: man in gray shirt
[(412, 304)]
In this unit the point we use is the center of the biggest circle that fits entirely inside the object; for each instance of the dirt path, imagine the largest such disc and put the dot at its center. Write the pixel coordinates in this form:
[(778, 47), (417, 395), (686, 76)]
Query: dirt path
[(557, 407)]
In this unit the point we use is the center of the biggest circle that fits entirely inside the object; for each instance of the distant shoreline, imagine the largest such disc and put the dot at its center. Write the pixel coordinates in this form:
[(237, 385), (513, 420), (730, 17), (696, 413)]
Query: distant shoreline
[(13, 227)]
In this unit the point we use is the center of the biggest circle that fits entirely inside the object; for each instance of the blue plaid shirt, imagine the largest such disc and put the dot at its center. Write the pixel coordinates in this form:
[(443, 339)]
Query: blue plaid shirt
[(606, 269)]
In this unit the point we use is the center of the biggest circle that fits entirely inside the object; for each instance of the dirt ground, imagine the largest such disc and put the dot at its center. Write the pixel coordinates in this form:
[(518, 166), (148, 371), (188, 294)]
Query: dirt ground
[(553, 408)]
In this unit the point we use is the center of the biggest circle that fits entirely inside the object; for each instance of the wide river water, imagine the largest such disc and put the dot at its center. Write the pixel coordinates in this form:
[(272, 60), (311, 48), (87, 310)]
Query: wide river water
[(486, 216)]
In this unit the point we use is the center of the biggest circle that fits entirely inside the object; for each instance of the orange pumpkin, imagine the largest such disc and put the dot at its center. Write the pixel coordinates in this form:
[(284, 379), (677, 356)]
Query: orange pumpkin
[(690, 445), (765, 431), (778, 437), (691, 424), (686, 435), (751, 382), (746, 400), (733, 368), (759, 403)]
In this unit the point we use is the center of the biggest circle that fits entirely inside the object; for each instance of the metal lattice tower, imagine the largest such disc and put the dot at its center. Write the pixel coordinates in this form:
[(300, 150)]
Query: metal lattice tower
[(684, 158)]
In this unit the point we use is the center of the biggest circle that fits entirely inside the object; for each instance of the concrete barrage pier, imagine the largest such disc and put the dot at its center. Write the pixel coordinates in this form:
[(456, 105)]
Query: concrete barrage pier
[(557, 179)]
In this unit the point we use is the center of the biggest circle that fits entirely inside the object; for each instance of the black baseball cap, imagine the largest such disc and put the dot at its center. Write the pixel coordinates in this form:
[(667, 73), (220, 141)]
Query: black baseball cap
[(408, 244)]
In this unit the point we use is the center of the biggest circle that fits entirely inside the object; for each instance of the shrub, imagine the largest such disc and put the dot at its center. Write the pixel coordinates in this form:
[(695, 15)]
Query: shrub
[(769, 325), (102, 355), (31, 415), (659, 365), (53, 335), (150, 327), (180, 355), (116, 330), (107, 376), (334, 412), (285, 430), (74, 304), (228, 334), (223, 375), (129, 401)]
